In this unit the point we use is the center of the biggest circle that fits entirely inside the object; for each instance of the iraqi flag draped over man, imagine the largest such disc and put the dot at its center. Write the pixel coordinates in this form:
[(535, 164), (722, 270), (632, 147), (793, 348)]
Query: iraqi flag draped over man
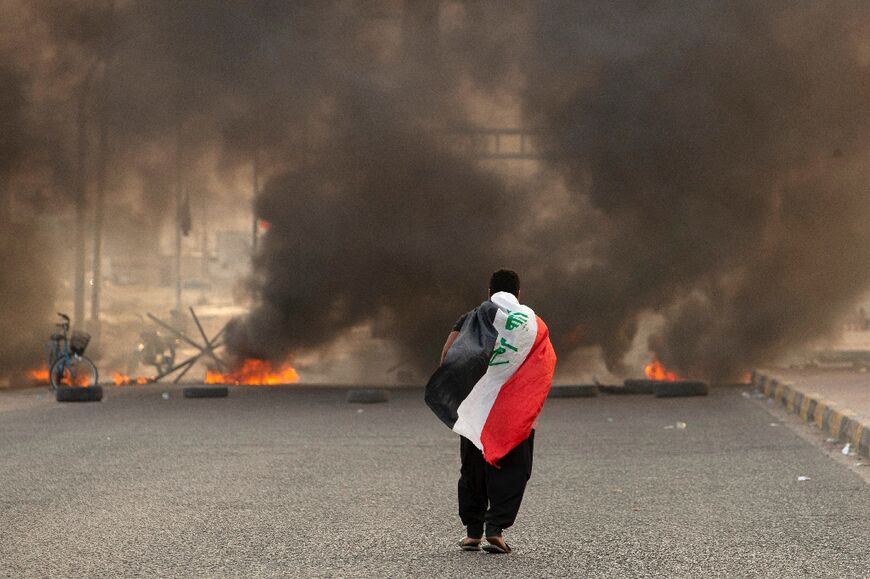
[(495, 377)]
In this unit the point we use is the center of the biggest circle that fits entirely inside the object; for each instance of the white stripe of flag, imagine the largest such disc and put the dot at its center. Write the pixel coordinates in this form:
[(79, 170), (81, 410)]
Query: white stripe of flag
[(474, 410)]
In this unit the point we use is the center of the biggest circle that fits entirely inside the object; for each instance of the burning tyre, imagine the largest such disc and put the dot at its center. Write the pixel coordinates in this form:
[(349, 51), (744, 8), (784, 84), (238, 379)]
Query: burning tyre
[(629, 386), (639, 386), (574, 391), (680, 388)]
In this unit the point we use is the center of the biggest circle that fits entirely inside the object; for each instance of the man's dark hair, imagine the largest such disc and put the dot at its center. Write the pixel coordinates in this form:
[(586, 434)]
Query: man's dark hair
[(504, 280)]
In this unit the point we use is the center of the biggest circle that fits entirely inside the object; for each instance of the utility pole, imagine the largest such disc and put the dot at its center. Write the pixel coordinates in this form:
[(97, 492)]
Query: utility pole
[(102, 160), (81, 196), (256, 188), (205, 271), (178, 209), (81, 184), (5, 202)]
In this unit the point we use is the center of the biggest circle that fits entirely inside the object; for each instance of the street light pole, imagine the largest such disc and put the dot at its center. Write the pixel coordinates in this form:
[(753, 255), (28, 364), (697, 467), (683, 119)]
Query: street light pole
[(178, 210), (256, 189), (81, 196), (102, 160)]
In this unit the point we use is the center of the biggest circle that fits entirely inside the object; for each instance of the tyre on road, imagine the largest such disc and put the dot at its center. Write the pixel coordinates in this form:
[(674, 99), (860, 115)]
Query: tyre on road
[(612, 389), (574, 391), (205, 392), (680, 388), (79, 393), (639, 386), (367, 396)]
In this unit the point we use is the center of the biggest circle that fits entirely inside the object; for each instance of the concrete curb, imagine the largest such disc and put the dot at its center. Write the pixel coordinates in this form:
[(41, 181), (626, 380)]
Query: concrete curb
[(839, 423)]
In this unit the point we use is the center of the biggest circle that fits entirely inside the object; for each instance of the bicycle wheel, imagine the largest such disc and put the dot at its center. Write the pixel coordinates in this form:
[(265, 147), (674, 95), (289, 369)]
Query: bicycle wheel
[(76, 371)]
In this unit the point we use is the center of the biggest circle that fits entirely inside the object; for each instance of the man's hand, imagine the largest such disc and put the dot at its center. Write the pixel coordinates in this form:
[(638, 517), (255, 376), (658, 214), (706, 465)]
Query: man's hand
[(451, 337)]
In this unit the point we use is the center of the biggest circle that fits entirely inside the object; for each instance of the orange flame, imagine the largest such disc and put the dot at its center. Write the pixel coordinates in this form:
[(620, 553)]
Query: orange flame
[(256, 373), (80, 380), (39, 376), (122, 379), (657, 371)]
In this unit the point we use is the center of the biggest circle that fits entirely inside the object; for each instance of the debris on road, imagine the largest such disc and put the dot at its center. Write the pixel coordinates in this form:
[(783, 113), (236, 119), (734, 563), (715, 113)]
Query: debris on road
[(847, 449), (208, 350), (803, 478)]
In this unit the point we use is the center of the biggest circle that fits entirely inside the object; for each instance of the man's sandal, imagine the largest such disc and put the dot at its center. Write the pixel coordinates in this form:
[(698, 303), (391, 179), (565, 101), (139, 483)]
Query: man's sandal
[(496, 546), (468, 544)]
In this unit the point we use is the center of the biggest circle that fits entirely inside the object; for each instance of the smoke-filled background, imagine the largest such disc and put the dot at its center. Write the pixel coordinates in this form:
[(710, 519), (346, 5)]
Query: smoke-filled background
[(700, 164)]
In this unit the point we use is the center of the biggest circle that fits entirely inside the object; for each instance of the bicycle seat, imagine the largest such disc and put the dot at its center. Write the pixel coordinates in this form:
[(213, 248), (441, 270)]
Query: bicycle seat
[(57, 337)]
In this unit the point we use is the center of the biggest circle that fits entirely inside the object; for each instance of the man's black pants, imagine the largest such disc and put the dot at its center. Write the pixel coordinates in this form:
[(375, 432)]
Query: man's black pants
[(492, 495)]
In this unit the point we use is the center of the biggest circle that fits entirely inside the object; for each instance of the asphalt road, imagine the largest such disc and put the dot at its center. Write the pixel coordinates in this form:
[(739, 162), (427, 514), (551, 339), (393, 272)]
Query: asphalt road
[(288, 482)]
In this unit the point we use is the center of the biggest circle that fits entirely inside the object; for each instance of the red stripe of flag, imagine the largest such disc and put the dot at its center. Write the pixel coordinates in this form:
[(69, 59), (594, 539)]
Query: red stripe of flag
[(520, 400)]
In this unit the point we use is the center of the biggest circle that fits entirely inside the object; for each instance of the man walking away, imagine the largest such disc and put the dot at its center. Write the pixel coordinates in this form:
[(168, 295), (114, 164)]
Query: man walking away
[(496, 369)]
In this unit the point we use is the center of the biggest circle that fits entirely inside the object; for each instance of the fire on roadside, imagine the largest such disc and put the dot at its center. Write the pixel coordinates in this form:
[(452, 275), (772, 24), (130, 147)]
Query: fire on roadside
[(41, 376), (255, 372), (82, 380), (38, 376), (123, 380), (657, 371)]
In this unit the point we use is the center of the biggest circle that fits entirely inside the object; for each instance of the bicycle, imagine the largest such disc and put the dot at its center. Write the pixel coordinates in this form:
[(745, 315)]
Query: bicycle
[(66, 360)]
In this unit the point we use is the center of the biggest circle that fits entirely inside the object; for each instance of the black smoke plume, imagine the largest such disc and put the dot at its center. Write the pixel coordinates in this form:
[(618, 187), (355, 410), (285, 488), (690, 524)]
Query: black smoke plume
[(705, 161), (725, 147), (21, 255)]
